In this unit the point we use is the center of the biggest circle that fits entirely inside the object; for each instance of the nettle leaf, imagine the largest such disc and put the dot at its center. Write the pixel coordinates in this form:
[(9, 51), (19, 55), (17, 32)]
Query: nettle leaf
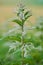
[(18, 21), (27, 15)]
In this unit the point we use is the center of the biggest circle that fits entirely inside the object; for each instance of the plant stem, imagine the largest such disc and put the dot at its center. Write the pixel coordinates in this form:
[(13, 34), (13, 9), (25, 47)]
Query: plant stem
[(22, 41)]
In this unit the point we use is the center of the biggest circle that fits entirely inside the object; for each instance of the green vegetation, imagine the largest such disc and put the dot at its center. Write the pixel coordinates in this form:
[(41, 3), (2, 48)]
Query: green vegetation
[(22, 45)]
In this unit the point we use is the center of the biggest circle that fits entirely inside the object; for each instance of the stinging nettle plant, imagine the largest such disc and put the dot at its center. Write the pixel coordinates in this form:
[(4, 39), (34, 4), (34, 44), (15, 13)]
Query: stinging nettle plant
[(22, 18), (18, 53), (23, 45)]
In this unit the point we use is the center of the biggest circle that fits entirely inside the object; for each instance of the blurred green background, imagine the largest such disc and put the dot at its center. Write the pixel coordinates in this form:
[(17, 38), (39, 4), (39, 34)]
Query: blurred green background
[(27, 2)]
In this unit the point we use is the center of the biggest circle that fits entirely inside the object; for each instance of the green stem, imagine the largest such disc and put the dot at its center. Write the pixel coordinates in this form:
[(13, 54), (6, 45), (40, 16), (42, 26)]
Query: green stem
[(22, 41)]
